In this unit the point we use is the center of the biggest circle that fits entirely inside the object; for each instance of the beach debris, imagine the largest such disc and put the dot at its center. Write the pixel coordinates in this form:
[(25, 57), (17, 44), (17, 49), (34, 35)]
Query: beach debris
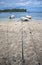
[(39, 64), (11, 17), (28, 17), (30, 32), (24, 19)]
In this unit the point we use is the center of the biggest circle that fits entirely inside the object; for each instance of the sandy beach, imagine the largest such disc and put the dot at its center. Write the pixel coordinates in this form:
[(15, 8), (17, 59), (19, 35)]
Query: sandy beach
[(12, 34)]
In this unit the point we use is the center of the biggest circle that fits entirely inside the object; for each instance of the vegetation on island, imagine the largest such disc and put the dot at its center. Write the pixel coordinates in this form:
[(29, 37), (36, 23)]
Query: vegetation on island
[(13, 10)]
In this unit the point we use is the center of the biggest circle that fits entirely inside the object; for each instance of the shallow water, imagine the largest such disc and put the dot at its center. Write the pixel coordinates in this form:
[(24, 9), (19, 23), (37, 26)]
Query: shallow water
[(5, 16)]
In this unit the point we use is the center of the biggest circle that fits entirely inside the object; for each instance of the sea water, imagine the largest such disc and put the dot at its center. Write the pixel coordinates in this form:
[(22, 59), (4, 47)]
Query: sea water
[(20, 14), (35, 12)]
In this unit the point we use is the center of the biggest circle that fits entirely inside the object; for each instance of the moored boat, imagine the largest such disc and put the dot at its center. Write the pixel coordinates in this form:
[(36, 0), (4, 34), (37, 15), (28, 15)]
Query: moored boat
[(28, 17), (11, 17), (24, 19)]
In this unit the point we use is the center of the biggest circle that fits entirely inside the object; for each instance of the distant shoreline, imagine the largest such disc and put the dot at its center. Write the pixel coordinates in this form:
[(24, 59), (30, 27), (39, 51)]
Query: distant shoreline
[(13, 10)]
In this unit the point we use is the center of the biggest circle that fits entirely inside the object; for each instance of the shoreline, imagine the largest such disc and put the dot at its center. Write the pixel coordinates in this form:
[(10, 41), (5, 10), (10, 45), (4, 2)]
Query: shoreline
[(19, 19)]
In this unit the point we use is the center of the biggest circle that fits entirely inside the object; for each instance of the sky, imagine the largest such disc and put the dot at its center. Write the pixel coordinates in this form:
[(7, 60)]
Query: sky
[(20, 3)]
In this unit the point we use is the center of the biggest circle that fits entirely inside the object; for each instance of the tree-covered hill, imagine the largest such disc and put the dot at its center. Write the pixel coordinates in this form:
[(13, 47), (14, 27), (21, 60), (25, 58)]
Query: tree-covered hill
[(13, 10)]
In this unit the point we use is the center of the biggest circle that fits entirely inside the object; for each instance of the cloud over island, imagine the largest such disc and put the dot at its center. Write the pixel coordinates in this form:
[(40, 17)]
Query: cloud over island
[(16, 3)]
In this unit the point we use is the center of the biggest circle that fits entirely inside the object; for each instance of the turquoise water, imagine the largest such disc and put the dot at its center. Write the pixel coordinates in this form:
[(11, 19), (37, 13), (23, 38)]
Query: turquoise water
[(35, 12), (4, 16)]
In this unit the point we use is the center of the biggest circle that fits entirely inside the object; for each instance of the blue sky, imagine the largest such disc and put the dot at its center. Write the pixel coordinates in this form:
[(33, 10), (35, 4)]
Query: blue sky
[(20, 3)]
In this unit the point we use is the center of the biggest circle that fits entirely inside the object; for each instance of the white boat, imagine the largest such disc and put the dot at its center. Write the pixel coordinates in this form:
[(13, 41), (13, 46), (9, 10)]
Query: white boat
[(28, 17), (12, 16), (24, 19)]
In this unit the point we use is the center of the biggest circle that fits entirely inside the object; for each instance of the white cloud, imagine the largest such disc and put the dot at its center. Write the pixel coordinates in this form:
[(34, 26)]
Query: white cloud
[(30, 3), (23, 3), (2, 2), (20, 4)]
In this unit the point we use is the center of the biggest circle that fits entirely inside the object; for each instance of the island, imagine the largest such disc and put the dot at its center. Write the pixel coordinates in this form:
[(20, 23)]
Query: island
[(13, 10)]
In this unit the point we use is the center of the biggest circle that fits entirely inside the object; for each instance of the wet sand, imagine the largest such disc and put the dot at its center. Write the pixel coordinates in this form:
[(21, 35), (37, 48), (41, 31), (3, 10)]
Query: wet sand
[(13, 34)]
